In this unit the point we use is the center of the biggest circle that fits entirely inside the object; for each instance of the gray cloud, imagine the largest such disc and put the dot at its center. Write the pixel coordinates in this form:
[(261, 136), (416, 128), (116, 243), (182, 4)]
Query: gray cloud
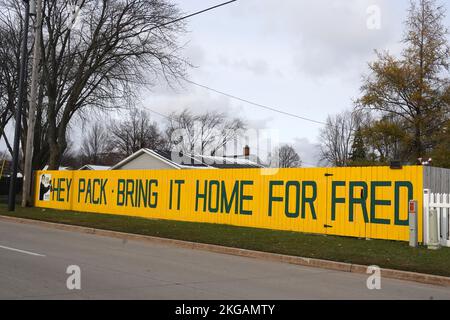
[(308, 151), (257, 67), (326, 37), (195, 54)]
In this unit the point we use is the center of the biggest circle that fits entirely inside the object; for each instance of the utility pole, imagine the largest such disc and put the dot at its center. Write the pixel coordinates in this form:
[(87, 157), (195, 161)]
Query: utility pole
[(27, 177), (21, 96)]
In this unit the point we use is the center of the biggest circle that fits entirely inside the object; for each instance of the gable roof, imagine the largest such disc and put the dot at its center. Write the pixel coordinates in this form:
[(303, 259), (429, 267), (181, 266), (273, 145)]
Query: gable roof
[(148, 152), (228, 162), (59, 169), (94, 167), (251, 157), (190, 162), (183, 160)]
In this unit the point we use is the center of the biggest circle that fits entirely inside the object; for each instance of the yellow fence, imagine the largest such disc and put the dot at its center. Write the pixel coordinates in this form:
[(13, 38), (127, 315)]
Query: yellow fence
[(358, 202)]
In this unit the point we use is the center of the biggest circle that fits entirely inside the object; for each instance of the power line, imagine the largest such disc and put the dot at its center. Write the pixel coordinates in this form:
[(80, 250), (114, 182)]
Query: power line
[(256, 104), (158, 113), (194, 14), (221, 145), (268, 107), (180, 19)]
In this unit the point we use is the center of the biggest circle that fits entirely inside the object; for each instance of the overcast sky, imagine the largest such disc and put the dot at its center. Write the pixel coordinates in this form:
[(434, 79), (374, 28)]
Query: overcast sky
[(302, 57)]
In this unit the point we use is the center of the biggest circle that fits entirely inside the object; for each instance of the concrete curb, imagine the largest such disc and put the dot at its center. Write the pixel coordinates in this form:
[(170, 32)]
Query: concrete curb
[(309, 262)]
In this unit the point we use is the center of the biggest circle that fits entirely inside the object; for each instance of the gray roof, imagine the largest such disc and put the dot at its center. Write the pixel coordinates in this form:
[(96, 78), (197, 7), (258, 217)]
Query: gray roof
[(184, 161), (227, 162), (181, 159), (94, 167)]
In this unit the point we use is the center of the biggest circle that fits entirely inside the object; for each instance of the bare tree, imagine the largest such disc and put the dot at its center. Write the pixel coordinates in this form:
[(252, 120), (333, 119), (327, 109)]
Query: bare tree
[(70, 156), (137, 131), (96, 57), (288, 157), (202, 133), (94, 145), (9, 72), (337, 138)]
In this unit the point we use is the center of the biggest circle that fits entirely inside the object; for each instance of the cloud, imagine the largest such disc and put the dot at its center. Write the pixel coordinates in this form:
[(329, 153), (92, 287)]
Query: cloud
[(195, 54), (325, 37), (301, 57), (308, 152), (165, 100), (257, 67)]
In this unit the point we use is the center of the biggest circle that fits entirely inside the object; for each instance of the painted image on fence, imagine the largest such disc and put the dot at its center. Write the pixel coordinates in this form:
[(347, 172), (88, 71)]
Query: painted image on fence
[(45, 187)]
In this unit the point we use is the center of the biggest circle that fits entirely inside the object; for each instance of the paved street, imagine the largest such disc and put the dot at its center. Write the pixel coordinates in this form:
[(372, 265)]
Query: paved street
[(33, 263)]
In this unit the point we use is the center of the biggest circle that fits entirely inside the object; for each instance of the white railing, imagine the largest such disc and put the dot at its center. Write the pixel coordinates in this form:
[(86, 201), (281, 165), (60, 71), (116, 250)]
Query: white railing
[(440, 202)]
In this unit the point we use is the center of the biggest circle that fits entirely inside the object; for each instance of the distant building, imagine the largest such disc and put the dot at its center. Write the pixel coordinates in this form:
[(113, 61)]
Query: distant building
[(94, 167), (147, 159), (248, 156), (59, 169), (227, 162)]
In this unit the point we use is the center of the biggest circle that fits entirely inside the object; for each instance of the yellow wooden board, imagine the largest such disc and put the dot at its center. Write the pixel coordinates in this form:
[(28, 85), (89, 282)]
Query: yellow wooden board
[(367, 202)]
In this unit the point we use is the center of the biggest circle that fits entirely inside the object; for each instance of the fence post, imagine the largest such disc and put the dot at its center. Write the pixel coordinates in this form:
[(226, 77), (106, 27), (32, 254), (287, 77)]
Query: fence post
[(434, 240), (439, 210), (426, 208), (445, 220)]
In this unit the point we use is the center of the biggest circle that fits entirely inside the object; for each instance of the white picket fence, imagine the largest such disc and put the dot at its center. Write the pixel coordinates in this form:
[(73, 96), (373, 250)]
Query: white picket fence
[(440, 202)]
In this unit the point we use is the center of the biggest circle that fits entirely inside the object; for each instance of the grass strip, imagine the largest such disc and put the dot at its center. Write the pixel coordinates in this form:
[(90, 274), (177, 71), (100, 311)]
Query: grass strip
[(383, 253)]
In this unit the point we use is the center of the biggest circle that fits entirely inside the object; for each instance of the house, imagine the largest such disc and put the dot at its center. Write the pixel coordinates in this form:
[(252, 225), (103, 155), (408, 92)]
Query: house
[(59, 169), (94, 167), (248, 156), (227, 162), (147, 159), (150, 159)]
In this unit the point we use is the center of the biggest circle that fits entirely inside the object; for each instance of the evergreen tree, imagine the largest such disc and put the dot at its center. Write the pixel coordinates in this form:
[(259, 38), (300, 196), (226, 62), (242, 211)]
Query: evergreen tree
[(359, 151)]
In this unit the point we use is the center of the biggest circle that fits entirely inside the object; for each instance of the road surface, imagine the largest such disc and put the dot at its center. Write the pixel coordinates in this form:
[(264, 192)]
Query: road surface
[(34, 261)]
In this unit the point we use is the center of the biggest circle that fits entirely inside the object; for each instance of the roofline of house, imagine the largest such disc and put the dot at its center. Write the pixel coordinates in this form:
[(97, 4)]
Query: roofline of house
[(246, 160), (89, 166), (172, 163), (150, 153)]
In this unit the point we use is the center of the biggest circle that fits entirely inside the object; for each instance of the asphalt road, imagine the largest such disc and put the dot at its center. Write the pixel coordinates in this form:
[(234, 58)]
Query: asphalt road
[(34, 261)]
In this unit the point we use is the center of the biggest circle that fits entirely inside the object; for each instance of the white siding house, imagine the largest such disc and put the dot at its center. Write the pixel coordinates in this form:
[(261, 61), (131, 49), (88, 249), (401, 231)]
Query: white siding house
[(147, 159)]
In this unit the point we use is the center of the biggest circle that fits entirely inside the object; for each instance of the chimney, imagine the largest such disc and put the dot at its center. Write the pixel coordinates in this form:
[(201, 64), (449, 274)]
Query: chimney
[(246, 151)]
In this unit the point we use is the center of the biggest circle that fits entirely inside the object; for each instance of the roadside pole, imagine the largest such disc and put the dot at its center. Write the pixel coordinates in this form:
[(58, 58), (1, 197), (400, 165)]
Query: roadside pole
[(18, 118), (27, 177), (413, 223)]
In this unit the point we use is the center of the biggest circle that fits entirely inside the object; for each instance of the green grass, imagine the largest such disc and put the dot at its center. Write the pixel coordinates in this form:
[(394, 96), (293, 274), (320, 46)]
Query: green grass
[(387, 254)]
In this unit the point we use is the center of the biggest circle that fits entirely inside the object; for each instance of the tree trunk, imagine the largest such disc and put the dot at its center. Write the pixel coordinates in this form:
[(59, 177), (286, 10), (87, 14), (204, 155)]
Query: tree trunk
[(54, 157), (418, 145)]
